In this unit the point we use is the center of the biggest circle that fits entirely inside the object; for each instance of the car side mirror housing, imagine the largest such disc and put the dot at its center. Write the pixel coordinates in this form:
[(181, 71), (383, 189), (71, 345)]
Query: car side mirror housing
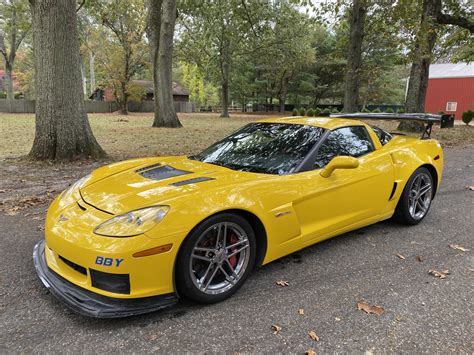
[(342, 162)]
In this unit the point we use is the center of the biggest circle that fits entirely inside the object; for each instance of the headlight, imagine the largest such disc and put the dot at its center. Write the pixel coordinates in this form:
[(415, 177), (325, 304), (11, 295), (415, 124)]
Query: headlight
[(132, 223)]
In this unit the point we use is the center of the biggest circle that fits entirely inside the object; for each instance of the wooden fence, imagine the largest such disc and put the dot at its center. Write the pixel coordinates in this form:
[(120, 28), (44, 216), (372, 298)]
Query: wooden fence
[(28, 106)]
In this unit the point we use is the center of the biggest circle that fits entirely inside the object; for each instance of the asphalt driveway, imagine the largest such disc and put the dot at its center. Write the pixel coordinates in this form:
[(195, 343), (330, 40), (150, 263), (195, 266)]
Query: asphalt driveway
[(422, 313)]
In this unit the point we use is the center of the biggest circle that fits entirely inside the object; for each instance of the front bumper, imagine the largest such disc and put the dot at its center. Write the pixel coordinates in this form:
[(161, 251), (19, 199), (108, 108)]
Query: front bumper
[(92, 304)]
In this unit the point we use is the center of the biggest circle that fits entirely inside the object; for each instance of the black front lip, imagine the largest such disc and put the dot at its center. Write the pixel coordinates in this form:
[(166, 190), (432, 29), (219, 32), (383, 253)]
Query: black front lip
[(92, 304)]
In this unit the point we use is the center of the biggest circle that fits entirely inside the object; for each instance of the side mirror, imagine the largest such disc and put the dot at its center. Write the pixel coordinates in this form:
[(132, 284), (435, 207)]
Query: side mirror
[(342, 162)]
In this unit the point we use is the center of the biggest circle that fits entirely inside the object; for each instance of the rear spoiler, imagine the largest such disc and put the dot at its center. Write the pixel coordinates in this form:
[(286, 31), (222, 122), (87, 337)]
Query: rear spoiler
[(429, 119)]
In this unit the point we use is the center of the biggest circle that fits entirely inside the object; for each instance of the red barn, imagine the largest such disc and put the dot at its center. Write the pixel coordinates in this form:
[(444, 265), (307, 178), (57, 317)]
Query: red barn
[(450, 89)]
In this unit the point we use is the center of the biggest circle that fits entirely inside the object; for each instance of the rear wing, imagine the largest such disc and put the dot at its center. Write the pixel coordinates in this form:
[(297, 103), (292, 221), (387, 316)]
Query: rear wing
[(429, 119)]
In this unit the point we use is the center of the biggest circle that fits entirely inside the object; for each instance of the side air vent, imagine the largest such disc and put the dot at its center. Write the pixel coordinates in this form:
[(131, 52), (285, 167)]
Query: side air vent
[(163, 172), (147, 167), (191, 181), (393, 190)]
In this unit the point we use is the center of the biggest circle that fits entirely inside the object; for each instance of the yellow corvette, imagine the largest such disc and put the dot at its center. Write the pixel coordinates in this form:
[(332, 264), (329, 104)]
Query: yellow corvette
[(132, 236)]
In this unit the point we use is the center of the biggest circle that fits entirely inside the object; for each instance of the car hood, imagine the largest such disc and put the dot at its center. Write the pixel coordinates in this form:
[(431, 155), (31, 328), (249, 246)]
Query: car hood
[(125, 186)]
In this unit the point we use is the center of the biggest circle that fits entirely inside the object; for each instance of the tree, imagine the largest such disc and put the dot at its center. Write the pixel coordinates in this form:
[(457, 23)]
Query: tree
[(124, 50), (14, 26), (354, 55), (62, 128), (160, 30), (432, 15), (217, 33)]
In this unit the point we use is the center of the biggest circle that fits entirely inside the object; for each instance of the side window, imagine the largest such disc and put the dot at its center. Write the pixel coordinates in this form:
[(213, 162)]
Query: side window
[(353, 141), (384, 137)]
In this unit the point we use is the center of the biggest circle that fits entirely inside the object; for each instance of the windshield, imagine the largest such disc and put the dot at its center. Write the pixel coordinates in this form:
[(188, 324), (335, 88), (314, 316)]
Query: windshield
[(271, 148)]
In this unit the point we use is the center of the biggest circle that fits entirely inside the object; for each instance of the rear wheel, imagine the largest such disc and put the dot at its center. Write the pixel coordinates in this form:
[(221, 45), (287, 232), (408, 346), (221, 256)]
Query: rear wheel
[(216, 258), (416, 198)]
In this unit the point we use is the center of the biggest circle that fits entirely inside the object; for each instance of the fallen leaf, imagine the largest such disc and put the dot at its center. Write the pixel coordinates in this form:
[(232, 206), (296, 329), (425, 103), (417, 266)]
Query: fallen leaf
[(470, 187), (398, 318), (400, 256), (301, 312), (337, 319), (420, 258), (367, 308), (440, 274), (310, 352), (282, 283), (312, 334), (3, 191), (40, 228), (458, 247), (276, 328)]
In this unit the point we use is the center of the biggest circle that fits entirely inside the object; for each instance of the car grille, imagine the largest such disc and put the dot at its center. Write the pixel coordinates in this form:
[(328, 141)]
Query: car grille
[(116, 283), (74, 266)]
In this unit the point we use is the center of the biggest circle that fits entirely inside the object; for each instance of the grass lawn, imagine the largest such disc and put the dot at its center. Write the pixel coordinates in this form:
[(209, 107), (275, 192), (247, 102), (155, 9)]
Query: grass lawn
[(130, 136)]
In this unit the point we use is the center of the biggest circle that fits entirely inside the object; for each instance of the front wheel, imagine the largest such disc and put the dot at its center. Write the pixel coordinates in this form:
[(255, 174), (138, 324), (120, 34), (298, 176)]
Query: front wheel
[(415, 200), (216, 258)]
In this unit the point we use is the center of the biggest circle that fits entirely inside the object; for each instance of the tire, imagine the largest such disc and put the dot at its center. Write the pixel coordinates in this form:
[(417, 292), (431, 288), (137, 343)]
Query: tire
[(204, 274), (415, 200)]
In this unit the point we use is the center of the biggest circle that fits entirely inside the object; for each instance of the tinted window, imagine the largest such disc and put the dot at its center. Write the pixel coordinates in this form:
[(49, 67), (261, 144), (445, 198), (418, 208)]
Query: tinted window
[(351, 141), (273, 148), (384, 137)]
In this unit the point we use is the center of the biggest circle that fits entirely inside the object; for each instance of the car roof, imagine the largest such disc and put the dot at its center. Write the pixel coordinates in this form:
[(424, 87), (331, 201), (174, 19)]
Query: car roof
[(324, 122)]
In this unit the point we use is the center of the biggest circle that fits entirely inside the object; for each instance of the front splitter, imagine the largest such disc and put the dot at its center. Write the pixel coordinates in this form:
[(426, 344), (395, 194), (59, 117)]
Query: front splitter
[(92, 304)]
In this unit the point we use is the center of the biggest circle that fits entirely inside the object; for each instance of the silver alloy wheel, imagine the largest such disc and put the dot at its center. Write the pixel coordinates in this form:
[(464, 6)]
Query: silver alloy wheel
[(220, 258), (419, 199)]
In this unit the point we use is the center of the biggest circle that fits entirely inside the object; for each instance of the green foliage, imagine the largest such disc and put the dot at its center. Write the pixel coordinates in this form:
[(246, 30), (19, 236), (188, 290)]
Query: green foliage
[(376, 110), (334, 110), (467, 116), (326, 111), (317, 111), (310, 112), (202, 91), (400, 110), (389, 110), (365, 110), (294, 112), (3, 95), (302, 111)]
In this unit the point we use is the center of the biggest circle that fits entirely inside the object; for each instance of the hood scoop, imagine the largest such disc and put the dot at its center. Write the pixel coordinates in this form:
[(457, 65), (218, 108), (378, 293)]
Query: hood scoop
[(161, 172), (191, 181)]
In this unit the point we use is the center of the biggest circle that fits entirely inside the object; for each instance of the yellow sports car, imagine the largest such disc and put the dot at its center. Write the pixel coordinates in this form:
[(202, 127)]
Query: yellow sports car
[(133, 236)]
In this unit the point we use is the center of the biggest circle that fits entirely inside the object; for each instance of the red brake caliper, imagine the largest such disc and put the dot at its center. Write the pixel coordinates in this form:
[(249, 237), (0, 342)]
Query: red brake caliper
[(233, 259)]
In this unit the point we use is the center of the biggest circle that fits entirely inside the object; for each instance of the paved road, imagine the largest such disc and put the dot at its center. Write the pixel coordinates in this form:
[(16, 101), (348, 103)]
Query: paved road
[(422, 313)]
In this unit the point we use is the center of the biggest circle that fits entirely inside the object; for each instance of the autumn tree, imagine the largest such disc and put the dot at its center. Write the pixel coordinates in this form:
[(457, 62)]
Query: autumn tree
[(124, 49), (14, 26), (62, 127), (161, 22)]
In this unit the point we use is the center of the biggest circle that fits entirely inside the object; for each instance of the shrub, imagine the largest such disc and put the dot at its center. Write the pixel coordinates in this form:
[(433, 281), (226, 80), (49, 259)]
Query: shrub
[(467, 116), (365, 110), (389, 110), (310, 112), (400, 110), (376, 110), (3, 95), (302, 111), (294, 112), (334, 110), (326, 110), (317, 111)]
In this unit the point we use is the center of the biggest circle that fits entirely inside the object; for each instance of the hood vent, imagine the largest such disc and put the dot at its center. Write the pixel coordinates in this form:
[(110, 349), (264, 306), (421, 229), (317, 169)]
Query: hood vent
[(191, 181), (147, 167), (162, 172)]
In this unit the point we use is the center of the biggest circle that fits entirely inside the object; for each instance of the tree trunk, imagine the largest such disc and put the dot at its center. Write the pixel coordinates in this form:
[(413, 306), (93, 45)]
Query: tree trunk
[(9, 80), (160, 30), (354, 56), (422, 53), (92, 72), (62, 128)]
